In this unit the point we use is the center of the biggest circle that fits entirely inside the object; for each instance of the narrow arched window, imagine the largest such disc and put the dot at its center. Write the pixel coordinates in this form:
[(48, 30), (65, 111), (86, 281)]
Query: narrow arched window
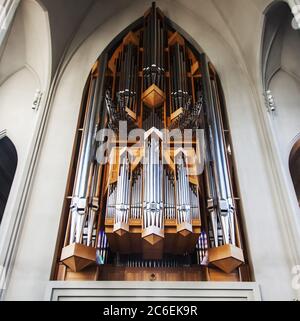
[(8, 166), (295, 168)]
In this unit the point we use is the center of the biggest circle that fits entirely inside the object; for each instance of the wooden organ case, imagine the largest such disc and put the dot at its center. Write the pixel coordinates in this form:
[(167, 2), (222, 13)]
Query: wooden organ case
[(139, 206)]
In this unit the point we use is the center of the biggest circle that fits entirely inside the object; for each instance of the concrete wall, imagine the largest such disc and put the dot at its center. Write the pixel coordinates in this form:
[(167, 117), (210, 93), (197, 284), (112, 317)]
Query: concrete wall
[(282, 74), (285, 86), (230, 34), (24, 69)]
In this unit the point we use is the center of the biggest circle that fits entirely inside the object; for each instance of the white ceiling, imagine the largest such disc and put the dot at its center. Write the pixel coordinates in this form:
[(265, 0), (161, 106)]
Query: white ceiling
[(73, 21)]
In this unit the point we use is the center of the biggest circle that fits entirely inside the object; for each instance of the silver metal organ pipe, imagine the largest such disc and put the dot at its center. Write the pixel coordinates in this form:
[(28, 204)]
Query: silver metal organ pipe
[(123, 192), (145, 184), (211, 193), (222, 175), (172, 196), (195, 209), (127, 190), (166, 199), (153, 210), (120, 188), (94, 206), (228, 186), (87, 155), (168, 183), (152, 171), (138, 191), (112, 200), (151, 174), (161, 184), (140, 197), (133, 200), (182, 191)]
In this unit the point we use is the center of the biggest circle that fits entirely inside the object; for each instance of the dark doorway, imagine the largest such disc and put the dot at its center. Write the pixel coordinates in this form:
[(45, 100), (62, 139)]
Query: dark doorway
[(8, 165), (295, 168)]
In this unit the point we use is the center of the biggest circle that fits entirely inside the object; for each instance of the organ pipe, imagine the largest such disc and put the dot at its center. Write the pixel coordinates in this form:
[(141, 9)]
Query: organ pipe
[(128, 78), (180, 95), (153, 183), (123, 192), (219, 180), (154, 36), (136, 202), (183, 192), (169, 203), (79, 204)]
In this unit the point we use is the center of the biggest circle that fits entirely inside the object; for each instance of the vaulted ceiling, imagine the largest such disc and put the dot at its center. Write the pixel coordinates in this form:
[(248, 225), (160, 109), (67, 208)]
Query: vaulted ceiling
[(67, 16), (68, 19)]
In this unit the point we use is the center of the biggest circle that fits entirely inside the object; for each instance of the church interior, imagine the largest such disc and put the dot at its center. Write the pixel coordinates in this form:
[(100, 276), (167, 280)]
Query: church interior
[(149, 150)]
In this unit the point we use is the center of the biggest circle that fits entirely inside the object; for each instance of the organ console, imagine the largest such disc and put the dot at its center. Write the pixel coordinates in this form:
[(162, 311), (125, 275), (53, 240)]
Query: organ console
[(149, 207)]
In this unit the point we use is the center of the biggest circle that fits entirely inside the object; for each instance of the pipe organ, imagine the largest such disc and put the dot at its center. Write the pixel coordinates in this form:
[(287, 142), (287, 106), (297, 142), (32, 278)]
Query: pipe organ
[(148, 212)]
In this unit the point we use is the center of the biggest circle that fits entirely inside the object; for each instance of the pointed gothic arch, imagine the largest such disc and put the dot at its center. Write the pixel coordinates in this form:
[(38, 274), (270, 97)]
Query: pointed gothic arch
[(281, 78)]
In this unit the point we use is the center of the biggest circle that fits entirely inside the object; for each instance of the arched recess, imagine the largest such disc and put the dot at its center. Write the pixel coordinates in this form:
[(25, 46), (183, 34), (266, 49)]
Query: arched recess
[(294, 164), (281, 74), (8, 166), (277, 18), (24, 72), (25, 69)]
